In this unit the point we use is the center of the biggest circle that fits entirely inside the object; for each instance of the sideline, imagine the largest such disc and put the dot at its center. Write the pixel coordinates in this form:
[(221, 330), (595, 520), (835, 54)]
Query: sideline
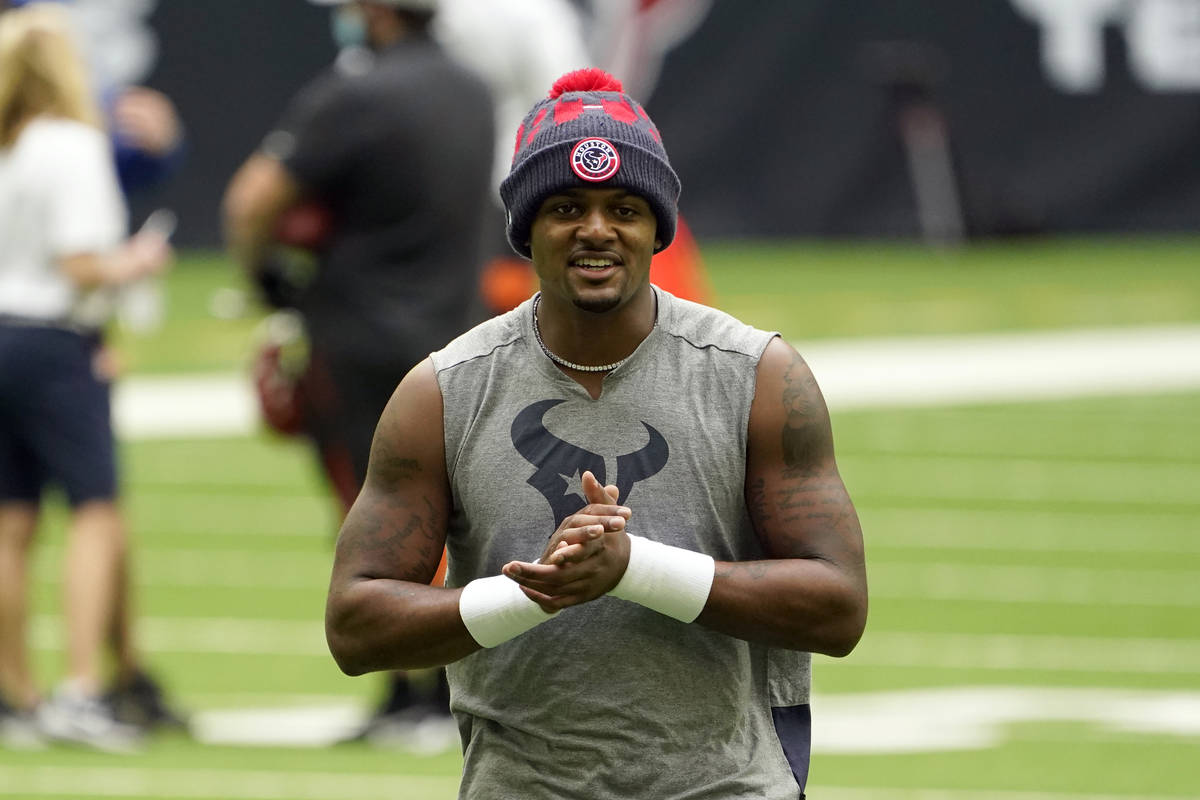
[(854, 374)]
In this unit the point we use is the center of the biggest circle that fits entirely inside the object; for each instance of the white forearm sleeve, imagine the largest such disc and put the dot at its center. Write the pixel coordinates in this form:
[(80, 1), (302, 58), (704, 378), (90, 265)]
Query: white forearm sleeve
[(495, 610), (669, 580)]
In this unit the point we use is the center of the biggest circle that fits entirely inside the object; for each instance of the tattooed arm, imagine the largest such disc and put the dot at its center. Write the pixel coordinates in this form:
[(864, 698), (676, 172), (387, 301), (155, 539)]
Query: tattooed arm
[(811, 592), (381, 613)]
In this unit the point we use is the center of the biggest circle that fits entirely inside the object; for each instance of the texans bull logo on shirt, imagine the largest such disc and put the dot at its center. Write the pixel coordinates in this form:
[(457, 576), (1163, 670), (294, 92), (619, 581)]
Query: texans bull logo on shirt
[(560, 464)]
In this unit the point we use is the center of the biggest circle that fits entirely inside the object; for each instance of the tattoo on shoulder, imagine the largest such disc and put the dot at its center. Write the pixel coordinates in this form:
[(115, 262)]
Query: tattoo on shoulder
[(806, 424)]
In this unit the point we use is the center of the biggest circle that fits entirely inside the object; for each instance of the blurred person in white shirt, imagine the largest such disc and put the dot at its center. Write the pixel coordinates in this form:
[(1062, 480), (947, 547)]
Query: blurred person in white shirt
[(63, 253)]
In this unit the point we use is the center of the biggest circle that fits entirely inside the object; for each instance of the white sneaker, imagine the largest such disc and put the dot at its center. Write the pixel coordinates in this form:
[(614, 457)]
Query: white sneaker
[(71, 715), (434, 735), (418, 731), (19, 729)]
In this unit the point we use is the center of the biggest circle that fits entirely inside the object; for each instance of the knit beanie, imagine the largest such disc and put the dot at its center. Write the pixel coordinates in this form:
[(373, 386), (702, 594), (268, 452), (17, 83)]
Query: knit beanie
[(587, 133)]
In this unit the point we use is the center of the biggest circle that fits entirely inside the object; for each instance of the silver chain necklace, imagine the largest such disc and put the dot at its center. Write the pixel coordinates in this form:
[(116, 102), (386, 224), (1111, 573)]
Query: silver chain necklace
[(537, 334)]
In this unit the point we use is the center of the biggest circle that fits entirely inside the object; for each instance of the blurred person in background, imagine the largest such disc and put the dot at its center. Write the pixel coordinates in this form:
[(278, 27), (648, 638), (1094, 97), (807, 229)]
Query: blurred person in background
[(630, 39), (148, 137), (148, 144), (63, 253), (518, 47), (147, 133), (393, 145), (585, 660)]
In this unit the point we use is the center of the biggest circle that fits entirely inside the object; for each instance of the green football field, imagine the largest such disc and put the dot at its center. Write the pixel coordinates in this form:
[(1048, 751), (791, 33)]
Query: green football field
[(1034, 566)]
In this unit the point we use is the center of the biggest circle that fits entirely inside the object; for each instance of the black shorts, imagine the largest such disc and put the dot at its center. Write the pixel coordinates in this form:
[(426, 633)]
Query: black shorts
[(55, 417), (793, 726)]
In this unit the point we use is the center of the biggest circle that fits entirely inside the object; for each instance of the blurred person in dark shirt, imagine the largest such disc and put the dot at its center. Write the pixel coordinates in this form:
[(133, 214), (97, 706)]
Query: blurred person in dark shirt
[(393, 145)]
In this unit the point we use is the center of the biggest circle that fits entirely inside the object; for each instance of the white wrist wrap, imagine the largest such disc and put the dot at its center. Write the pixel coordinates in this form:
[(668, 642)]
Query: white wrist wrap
[(669, 580), (495, 610)]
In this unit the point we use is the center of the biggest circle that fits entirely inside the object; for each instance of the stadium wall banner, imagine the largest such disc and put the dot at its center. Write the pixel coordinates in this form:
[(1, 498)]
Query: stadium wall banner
[(935, 118)]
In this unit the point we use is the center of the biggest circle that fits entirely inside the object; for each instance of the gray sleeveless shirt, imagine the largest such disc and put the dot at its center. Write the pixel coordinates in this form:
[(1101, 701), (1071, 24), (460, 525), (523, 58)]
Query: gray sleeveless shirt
[(609, 699)]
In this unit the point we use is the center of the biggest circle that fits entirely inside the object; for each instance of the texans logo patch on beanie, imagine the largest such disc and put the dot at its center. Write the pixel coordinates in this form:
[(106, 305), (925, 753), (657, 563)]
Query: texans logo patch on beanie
[(595, 160), (585, 132)]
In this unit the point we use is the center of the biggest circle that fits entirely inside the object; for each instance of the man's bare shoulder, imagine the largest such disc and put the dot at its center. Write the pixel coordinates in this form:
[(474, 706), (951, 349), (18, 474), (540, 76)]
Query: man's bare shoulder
[(789, 411), (410, 429), (417, 398)]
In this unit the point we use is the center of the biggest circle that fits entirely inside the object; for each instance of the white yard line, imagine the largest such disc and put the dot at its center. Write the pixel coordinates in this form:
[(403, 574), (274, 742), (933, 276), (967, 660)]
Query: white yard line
[(231, 784), (993, 652), (1019, 653), (1021, 584), (236, 784), (866, 373), (184, 406), (919, 371), (873, 723), (980, 717), (908, 721), (890, 577), (234, 569), (228, 635), (875, 793), (1034, 531)]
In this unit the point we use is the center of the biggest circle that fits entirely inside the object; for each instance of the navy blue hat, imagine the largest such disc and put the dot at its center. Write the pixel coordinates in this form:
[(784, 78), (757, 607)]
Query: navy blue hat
[(587, 133)]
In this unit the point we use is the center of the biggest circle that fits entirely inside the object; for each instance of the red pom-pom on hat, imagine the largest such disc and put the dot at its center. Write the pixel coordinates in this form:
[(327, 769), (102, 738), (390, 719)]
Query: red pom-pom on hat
[(591, 79)]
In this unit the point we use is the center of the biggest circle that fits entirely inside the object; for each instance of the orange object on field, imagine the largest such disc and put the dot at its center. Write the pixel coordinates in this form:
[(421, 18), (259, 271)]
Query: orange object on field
[(679, 269), (506, 282), (439, 577)]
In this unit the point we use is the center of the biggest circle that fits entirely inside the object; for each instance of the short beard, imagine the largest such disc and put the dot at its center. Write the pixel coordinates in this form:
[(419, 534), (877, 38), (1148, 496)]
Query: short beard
[(597, 306)]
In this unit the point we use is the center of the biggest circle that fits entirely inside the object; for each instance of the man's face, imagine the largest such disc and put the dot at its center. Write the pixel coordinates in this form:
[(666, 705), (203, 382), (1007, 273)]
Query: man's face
[(593, 246)]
